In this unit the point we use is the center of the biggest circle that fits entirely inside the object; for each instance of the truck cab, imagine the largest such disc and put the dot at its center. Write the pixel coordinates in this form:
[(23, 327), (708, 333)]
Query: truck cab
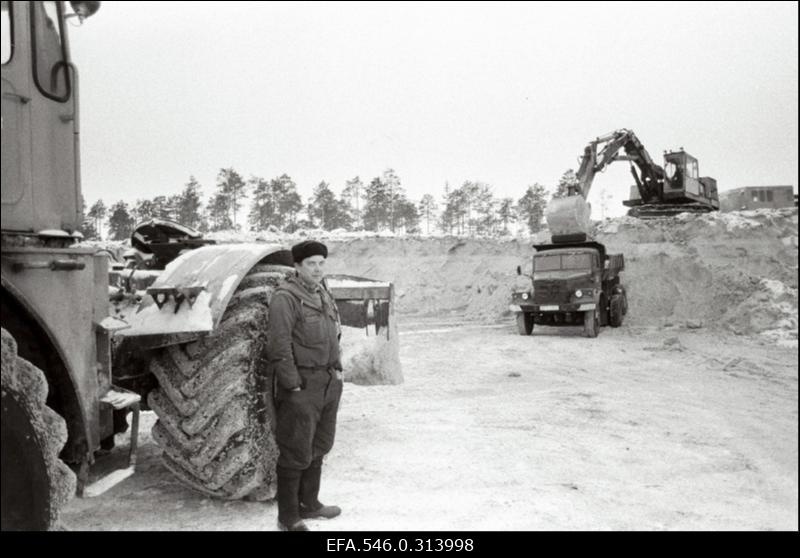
[(572, 284)]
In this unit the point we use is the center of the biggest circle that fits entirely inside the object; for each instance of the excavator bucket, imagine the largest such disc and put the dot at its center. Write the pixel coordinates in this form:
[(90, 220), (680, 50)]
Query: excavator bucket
[(370, 343), (569, 219)]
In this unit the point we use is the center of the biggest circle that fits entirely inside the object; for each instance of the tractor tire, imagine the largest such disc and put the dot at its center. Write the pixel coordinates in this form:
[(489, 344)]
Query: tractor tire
[(35, 482), (591, 323), (524, 323), (615, 311), (214, 404)]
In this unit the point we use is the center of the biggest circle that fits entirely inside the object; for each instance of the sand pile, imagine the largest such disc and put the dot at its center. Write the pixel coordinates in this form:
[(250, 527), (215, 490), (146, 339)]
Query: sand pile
[(732, 270)]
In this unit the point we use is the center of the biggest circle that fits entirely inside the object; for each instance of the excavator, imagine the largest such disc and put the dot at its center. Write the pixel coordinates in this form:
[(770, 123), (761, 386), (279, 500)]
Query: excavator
[(675, 188)]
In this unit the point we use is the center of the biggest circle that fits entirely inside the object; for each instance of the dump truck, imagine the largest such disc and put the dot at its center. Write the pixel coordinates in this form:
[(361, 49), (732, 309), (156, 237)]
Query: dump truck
[(574, 280), (177, 328), (573, 283)]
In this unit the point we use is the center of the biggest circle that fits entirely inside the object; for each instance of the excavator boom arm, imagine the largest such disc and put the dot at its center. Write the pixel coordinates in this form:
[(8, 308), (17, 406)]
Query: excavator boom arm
[(604, 150)]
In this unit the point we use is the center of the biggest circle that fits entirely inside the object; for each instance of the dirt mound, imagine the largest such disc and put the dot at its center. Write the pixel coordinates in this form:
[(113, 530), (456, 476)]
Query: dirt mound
[(733, 270)]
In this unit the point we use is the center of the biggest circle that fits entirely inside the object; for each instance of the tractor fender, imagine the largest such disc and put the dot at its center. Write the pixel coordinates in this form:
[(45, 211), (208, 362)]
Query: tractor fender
[(191, 294)]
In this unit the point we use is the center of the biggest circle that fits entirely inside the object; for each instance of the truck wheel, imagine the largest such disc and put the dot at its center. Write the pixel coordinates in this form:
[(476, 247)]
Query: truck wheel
[(524, 323), (624, 303), (213, 404), (615, 311), (603, 311), (591, 323), (35, 482)]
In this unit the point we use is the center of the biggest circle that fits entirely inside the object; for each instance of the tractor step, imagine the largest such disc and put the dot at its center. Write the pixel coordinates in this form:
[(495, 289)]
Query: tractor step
[(119, 398)]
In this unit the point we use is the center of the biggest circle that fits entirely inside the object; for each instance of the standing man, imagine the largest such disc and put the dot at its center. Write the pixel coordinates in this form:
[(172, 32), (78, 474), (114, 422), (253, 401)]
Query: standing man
[(303, 349)]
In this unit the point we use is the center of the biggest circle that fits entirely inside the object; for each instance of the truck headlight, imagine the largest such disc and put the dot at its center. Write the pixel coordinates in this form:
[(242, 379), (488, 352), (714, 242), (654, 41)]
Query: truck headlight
[(524, 296), (579, 293)]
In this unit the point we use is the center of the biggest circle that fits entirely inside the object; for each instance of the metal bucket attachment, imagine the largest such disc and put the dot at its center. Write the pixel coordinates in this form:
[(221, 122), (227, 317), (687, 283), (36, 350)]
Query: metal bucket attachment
[(370, 344), (362, 302)]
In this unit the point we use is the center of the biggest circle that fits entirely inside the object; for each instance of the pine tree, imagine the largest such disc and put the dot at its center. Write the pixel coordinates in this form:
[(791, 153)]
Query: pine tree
[(320, 205), (392, 182), (289, 202), (531, 207), (568, 180), (218, 213), (120, 221), (87, 227), (406, 214), (458, 208), (233, 187), (352, 195), (342, 218), (485, 209), (328, 212), (189, 204), (98, 214), (263, 207), (427, 208), (446, 219), (506, 212), (377, 205)]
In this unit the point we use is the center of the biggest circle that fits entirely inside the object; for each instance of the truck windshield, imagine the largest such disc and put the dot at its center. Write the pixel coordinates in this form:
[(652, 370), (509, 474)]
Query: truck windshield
[(557, 262)]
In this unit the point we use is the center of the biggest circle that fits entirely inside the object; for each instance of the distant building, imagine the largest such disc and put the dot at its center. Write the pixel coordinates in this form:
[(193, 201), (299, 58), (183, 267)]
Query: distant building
[(756, 197)]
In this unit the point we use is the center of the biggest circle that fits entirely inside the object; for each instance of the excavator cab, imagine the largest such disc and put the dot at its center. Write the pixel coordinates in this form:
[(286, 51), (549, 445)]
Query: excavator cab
[(683, 183)]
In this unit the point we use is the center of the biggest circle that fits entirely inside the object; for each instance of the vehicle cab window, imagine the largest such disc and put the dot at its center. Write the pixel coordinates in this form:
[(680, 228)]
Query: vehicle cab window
[(50, 69), (6, 33), (691, 168), (547, 263)]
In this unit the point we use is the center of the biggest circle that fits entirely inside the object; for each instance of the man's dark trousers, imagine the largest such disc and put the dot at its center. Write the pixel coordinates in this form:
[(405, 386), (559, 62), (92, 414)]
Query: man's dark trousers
[(305, 430)]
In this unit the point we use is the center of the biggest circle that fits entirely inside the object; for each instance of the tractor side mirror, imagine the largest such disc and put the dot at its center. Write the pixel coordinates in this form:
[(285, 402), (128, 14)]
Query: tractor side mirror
[(84, 9)]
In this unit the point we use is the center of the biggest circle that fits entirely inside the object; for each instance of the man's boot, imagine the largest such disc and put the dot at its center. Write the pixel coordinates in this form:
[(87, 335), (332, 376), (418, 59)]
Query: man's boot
[(310, 506), (288, 506)]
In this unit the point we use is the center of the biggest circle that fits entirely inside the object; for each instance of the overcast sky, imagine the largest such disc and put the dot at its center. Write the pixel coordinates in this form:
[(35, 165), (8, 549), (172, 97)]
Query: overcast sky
[(508, 94)]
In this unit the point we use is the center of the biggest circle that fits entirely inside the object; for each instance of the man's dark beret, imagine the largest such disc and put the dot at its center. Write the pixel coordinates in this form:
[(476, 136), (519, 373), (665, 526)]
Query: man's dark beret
[(308, 248)]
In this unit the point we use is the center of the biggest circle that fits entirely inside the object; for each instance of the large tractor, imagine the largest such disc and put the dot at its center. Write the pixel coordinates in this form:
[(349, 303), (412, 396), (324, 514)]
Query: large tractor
[(190, 346)]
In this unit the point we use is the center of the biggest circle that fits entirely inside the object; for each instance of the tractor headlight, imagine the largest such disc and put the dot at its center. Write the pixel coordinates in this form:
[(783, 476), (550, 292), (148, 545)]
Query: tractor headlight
[(524, 296), (579, 293)]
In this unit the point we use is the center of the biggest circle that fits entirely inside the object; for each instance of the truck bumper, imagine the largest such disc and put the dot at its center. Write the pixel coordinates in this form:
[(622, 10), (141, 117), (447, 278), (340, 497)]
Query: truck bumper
[(521, 308), (573, 307)]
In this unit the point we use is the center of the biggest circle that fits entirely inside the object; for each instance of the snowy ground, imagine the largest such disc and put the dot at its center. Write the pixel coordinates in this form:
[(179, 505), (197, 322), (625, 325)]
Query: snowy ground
[(642, 428)]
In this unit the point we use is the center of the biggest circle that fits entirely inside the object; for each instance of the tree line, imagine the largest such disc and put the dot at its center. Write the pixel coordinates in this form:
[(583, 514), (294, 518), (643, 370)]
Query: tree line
[(379, 205)]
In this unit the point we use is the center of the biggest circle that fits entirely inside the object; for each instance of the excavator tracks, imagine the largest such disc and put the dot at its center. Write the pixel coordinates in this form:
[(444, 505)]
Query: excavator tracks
[(653, 211)]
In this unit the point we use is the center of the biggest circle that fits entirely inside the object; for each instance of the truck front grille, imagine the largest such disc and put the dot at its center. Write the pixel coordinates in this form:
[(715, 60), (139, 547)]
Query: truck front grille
[(550, 293)]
